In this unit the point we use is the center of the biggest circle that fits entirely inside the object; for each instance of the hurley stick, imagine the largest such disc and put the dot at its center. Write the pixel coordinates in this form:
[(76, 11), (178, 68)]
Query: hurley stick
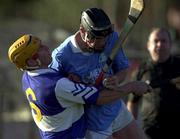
[(136, 9)]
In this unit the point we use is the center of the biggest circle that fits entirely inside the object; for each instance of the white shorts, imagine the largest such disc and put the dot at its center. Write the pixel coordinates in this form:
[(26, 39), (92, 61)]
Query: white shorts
[(122, 120)]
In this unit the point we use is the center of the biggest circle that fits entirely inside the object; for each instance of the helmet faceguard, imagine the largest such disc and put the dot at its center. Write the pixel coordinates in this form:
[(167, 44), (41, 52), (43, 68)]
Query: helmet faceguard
[(23, 49)]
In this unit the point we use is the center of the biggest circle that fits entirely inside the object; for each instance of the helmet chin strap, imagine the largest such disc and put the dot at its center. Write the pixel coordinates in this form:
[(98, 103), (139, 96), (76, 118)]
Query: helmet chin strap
[(35, 67), (85, 37)]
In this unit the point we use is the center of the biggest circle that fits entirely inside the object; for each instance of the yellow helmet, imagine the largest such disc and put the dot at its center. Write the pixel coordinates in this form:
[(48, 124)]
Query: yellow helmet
[(22, 49)]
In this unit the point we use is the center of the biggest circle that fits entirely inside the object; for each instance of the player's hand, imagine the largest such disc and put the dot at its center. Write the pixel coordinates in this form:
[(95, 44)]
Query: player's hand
[(111, 82), (136, 87), (140, 88)]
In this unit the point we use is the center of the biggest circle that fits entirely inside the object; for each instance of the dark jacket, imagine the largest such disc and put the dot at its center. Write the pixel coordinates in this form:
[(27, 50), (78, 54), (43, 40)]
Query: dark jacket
[(161, 109)]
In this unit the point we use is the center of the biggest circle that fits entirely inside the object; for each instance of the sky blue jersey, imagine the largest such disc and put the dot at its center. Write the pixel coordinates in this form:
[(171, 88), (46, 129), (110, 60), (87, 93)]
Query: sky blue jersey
[(68, 58), (57, 104)]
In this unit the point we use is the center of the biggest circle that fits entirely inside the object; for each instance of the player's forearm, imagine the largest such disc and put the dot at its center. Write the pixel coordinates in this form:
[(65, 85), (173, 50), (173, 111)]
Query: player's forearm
[(136, 87), (108, 96)]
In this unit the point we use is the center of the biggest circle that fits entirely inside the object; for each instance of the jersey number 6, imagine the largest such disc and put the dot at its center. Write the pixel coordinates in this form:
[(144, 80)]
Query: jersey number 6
[(35, 109)]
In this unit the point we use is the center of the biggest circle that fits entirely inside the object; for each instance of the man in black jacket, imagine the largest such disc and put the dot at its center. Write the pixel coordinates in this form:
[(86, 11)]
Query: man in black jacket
[(160, 110)]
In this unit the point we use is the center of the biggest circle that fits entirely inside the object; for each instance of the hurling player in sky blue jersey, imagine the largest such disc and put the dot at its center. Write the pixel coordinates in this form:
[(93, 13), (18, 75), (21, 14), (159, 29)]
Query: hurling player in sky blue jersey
[(57, 103), (84, 54)]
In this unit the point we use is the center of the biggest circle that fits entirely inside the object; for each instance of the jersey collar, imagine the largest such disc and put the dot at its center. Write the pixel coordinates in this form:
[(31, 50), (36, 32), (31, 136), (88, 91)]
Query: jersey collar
[(40, 71)]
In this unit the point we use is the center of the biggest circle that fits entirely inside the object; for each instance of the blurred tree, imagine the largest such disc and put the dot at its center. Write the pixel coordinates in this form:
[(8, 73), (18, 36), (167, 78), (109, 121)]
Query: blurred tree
[(121, 13), (173, 18), (14, 8)]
